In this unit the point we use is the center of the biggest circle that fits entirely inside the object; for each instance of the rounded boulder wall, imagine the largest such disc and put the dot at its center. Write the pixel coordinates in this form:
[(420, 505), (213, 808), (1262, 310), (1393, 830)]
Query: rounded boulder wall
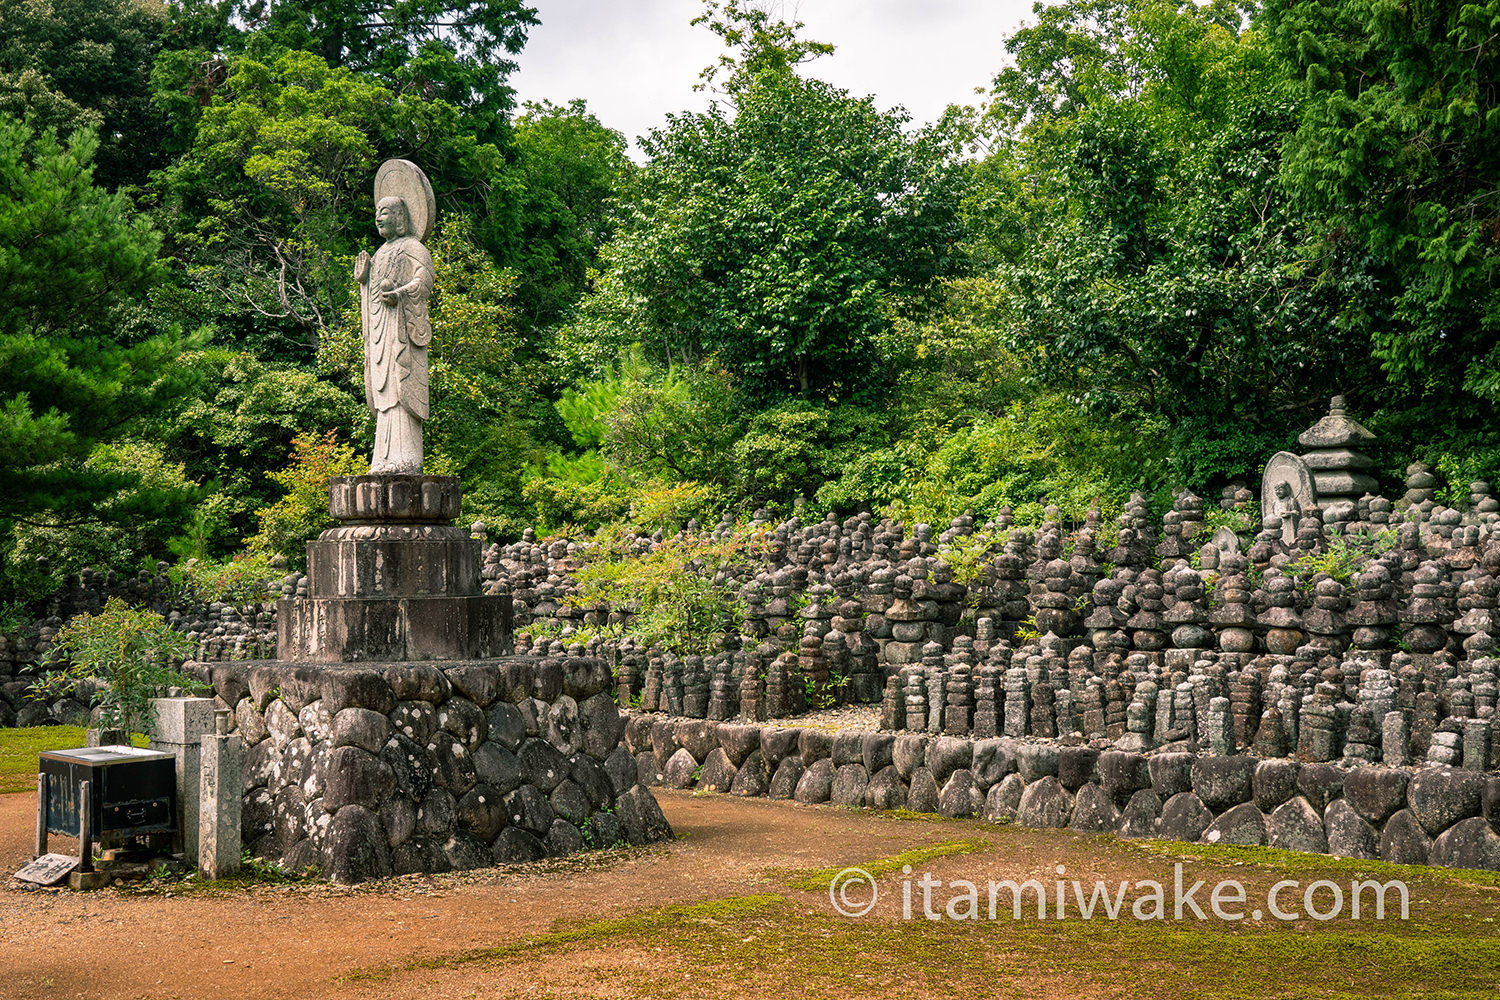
[(542, 765), (589, 775), (923, 792), (360, 727), (1141, 816), (1171, 774), (960, 797), (517, 846), (1036, 761), (453, 765), (1376, 792), (738, 741), (1184, 817), (877, 751), (1004, 798), (355, 848), (1439, 797), (564, 728), (886, 790), (948, 754), (621, 769), (419, 855), (563, 838), (1045, 803), (1076, 766), (1223, 782), (1295, 826), (1349, 834), (356, 777), (481, 811), (603, 726), (641, 818), (464, 720), (788, 775), (569, 802), (909, 753), (497, 767), (718, 772), (752, 779), (993, 760), (412, 764), (1122, 774), (602, 830), (681, 770), (1274, 782), (816, 785), (527, 807), (1094, 811), (398, 814), (1403, 841), (1243, 824), (1469, 843), (506, 725)]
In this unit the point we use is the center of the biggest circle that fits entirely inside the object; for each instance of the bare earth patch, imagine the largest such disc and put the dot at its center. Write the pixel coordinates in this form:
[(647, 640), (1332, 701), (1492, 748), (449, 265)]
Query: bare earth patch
[(724, 912)]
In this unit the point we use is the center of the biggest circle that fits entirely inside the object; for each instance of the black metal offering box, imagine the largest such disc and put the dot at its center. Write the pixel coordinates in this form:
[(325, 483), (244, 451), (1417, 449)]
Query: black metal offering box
[(131, 791)]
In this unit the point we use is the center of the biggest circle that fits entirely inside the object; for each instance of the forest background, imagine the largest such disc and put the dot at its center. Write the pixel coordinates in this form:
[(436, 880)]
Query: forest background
[(1143, 262)]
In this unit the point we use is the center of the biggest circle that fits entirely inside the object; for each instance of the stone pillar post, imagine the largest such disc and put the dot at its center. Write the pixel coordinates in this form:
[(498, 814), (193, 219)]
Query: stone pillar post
[(180, 726), (219, 801)]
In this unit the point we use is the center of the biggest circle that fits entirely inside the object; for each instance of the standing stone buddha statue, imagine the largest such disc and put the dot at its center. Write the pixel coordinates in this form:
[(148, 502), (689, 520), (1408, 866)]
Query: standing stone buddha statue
[(394, 287)]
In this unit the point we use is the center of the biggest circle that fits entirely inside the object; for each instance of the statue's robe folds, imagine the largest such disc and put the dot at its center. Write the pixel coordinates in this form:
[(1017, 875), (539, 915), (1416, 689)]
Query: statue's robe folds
[(396, 339)]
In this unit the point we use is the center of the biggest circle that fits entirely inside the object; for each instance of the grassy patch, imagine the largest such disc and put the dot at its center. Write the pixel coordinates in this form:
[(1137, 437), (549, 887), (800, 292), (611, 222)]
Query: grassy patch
[(19, 749), (818, 879), (648, 923), (775, 946), (1293, 863), (769, 946), (908, 815)]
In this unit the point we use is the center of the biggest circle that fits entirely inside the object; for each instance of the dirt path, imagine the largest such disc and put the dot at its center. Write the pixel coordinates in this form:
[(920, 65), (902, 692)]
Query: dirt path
[(293, 941), (305, 941)]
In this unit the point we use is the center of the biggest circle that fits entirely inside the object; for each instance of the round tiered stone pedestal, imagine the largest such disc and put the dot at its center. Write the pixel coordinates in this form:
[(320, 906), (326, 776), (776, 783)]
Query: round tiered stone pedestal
[(395, 581)]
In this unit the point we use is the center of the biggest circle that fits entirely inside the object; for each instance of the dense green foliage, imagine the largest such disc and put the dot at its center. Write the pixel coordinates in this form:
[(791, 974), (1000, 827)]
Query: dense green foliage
[(1168, 234), (128, 651)]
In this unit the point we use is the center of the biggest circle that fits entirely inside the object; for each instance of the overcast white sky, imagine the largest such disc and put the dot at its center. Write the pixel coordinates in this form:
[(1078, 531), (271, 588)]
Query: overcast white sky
[(635, 61)]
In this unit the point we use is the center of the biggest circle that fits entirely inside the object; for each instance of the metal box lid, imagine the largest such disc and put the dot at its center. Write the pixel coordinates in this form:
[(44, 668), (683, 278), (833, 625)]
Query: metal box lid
[(104, 756)]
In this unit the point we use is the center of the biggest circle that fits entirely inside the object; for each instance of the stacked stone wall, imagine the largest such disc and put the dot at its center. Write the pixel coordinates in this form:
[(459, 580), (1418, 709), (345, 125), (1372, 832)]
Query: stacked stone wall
[(220, 631)]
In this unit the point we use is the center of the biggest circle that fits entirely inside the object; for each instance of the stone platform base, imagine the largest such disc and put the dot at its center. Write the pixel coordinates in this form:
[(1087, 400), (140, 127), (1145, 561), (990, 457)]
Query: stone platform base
[(392, 629), (371, 770)]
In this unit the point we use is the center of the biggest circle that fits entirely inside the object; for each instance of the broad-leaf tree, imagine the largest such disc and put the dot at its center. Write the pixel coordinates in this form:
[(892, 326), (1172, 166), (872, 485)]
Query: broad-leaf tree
[(774, 230), (458, 50), (1398, 154)]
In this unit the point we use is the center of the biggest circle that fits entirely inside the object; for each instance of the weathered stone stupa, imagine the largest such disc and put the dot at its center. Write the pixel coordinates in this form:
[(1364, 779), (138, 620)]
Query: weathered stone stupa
[(1340, 471)]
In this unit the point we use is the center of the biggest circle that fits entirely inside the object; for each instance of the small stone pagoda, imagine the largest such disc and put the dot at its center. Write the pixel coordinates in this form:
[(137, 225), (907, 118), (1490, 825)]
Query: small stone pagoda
[(1340, 471)]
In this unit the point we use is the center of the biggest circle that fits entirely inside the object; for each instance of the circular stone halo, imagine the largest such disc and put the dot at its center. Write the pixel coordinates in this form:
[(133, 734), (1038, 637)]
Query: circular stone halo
[(1290, 469), (405, 180)]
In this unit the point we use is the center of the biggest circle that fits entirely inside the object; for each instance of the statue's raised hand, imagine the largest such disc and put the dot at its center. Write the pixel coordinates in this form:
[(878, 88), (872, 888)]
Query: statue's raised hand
[(362, 267)]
